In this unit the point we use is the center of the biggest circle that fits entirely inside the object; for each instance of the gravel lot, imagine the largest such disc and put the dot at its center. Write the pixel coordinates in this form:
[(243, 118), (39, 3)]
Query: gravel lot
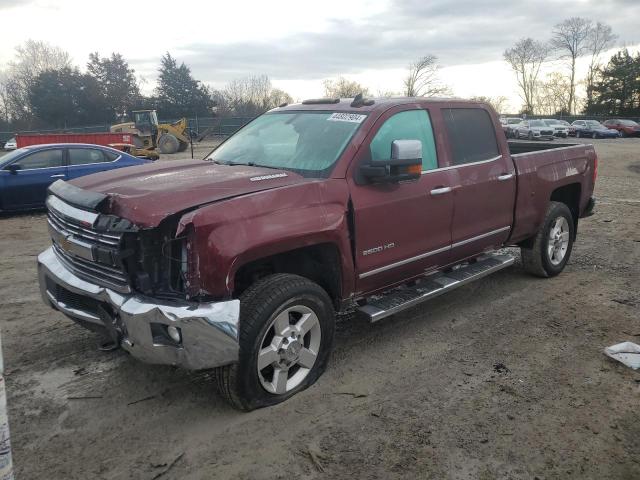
[(504, 378)]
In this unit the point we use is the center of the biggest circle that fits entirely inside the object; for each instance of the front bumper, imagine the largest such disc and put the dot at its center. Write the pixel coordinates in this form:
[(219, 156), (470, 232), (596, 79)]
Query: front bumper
[(541, 136), (208, 331)]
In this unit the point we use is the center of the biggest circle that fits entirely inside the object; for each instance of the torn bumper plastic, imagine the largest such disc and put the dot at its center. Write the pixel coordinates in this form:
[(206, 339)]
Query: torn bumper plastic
[(186, 334)]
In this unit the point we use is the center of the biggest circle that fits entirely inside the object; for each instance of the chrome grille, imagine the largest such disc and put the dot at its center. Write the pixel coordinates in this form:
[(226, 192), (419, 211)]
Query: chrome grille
[(81, 232), (78, 246), (93, 271)]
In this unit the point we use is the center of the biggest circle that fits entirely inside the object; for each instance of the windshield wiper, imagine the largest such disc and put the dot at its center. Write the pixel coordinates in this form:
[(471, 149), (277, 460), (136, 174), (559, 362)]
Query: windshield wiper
[(232, 164), (267, 166), (248, 164)]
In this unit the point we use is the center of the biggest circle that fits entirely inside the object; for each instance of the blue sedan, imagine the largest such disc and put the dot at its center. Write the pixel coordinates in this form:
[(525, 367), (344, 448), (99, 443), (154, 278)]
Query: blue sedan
[(593, 129), (26, 173)]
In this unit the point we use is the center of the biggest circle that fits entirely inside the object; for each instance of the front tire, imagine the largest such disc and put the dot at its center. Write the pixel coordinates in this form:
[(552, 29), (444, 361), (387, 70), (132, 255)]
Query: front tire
[(287, 324), (168, 144), (552, 244)]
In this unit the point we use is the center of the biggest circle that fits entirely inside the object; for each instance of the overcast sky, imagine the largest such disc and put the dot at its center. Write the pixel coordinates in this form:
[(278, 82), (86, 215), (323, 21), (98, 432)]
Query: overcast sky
[(299, 43)]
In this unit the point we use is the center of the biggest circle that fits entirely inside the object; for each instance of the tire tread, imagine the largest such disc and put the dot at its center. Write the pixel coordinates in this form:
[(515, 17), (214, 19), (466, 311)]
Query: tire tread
[(532, 258), (252, 302)]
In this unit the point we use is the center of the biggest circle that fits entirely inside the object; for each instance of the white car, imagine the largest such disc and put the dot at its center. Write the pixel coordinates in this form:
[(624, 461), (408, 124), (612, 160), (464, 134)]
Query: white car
[(533, 130), (11, 144), (509, 124), (559, 129)]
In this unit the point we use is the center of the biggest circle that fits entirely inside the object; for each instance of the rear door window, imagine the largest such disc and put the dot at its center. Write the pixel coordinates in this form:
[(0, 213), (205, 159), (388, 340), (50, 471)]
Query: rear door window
[(85, 156), (471, 134), (42, 159), (408, 125), (111, 156)]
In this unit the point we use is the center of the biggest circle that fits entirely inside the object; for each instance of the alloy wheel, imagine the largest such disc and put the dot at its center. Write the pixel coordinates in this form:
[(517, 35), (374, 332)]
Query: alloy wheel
[(558, 240), (289, 349)]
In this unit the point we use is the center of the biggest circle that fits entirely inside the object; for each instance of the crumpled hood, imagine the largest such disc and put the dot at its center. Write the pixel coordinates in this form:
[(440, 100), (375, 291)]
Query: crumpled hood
[(147, 194)]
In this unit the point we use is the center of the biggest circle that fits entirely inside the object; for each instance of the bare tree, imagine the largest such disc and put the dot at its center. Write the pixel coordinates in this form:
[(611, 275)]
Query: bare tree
[(571, 40), (552, 95), (343, 88), (525, 58), (31, 59), (4, 97), (601, 37), (422, 79), (249, 96), (387, 93), (278, 97), (499, 103)]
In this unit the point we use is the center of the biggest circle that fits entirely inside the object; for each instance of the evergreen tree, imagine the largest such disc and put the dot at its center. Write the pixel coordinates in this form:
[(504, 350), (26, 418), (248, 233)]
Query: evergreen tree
[(65, 98), (116, 81), (617, 89), (178, 93)]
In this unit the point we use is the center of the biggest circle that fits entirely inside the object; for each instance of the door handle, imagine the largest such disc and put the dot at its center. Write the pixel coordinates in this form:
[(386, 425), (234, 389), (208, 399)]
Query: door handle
[(58, 176), (440, 190), (505, 176)]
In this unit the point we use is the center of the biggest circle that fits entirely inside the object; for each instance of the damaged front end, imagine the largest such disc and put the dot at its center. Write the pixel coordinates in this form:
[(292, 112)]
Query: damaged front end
[(133, 283)]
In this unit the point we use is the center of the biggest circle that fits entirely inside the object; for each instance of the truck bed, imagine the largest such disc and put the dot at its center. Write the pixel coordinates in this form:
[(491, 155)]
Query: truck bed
[(542, 168), (518, 147)]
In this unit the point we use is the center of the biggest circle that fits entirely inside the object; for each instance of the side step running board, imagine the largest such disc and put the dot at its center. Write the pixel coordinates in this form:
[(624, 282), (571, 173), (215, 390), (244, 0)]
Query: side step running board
[(401, 298)]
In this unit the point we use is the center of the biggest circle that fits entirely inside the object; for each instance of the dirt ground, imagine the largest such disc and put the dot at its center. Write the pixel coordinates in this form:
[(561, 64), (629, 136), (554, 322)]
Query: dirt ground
[(503, 378)]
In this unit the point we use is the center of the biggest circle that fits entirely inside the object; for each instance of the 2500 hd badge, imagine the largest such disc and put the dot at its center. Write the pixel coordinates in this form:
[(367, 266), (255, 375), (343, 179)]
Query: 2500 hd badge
[(378, 249)]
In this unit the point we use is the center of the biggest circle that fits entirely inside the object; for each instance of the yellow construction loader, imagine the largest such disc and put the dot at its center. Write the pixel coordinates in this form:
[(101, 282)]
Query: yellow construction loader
[(148, 136)]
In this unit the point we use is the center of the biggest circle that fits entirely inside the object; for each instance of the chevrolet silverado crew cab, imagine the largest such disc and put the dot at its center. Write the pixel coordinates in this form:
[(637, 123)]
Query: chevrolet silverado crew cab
[(241, 262)]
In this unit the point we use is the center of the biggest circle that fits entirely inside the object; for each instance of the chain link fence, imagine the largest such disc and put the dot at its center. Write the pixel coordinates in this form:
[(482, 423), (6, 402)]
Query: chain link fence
[(199, 126), (571, 118)]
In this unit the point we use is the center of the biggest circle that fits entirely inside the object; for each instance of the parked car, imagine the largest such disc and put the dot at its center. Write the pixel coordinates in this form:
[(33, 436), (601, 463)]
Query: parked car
[(508, 125), (559, 129), (240, 262), (533, 130), (26, 173), (627, 128), (10, 144), (593, 129)]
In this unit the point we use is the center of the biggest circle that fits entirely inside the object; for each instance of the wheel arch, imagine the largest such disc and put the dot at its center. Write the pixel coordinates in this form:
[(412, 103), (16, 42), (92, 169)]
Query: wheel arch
[(320, 263), (569, 195)]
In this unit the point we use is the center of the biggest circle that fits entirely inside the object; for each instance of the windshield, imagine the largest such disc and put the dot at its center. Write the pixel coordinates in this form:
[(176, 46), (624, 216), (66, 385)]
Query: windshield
[(537, 123), (5, 159), (593, 123), (308, 143), (513, 121), (628, 123)]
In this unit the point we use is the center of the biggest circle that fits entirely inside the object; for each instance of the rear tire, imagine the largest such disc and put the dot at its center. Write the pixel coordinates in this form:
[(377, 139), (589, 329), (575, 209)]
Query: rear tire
[(272, 306), (168, 144), (530, 137), (552, 244), (183, 146)]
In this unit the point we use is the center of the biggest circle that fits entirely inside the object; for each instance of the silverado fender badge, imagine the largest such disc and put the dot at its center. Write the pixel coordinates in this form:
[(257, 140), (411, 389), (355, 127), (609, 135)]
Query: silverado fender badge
[(268, 177), (378, 249)]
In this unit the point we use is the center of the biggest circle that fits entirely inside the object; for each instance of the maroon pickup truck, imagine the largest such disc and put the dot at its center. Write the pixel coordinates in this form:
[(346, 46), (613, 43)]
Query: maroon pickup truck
[(241, 261)]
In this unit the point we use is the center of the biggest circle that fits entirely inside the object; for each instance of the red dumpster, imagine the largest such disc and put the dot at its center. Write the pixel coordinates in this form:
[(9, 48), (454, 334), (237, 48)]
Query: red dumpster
[(102, 138)]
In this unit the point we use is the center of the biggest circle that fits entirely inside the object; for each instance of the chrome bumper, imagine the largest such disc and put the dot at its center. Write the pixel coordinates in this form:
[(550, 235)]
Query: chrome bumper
[(208, 331)]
